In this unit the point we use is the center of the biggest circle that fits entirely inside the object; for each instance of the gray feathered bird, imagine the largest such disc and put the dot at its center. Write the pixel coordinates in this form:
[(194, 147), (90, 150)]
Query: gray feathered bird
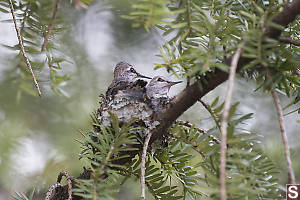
[(134, 102), (159, 87), (124, 76), (157, 91)]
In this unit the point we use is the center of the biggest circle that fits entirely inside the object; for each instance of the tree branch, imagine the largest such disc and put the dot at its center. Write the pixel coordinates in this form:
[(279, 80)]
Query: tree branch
[(79, 5), (289, 14), (58, 184), (22, 48), (51, 189), (289, 41), (190, 95), (228, 96), (50, 27), (143, 165), (291, 174), (69, 180)]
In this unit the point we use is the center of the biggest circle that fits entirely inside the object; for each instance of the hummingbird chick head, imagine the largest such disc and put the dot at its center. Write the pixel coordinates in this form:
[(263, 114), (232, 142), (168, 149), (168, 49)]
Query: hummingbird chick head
[(124, 70), (124, 76), (159, 87)]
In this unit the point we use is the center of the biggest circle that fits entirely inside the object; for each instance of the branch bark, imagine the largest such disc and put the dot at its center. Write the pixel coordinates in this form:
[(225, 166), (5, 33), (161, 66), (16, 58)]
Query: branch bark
[(190, 95), (289, 14), (143, 165), (58, 184), (289, 41), (291, 174), (228, 96), (21, 45), (51, 24)]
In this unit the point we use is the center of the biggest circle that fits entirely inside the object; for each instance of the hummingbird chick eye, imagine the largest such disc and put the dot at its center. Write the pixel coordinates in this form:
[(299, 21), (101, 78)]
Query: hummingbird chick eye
[(132, 70), (160, 79)]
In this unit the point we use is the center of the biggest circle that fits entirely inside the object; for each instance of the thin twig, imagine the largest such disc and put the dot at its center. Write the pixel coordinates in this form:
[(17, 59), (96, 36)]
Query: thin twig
[(50, 27), (69, 180), (24, 18), (79, 5), (289, 41), (291, 174), (189, 125), (143, 165), (228, 96), (212, 113), (51, 189), (190, 95), (22, 48)]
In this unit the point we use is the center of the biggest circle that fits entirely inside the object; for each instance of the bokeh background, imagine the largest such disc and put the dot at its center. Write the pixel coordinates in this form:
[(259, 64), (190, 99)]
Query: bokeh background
[(38, 135)]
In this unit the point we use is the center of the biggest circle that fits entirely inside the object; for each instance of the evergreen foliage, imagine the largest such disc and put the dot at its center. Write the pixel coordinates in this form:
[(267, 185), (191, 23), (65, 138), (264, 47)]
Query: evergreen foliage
[(103, 148), (20, 196), (204, 33), (33, 18), (202, 36), (187, 168), (251, 174)]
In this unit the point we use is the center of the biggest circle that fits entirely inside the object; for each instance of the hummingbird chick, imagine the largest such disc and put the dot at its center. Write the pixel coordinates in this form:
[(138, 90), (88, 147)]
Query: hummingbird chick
[(159, 87), (157, 91), (124, 76)]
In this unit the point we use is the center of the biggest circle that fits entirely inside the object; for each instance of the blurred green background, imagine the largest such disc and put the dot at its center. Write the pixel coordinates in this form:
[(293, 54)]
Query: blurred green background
[(37, 135)]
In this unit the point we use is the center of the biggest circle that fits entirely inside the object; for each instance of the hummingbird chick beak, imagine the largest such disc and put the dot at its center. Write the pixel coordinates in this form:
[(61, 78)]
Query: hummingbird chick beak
[(170, 83), (142, 76)]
